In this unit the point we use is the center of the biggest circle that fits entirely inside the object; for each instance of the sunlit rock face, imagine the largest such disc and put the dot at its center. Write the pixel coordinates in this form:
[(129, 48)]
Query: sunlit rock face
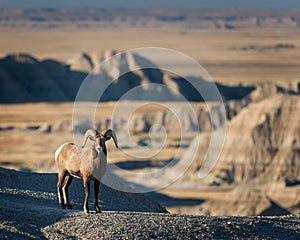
[(260, 159)]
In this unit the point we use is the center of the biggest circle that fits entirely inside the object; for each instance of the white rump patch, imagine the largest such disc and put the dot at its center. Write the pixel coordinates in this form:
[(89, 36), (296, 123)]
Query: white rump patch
[(57, 152)]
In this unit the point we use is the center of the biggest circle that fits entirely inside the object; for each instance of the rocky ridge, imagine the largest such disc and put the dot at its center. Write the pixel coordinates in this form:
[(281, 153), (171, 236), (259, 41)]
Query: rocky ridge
[(29, 210)]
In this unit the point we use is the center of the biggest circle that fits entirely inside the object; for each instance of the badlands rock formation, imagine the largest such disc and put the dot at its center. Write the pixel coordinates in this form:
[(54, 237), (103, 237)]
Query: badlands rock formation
[(85, 63), (23, 78), (26, 79), (261, 155), (262, 143)]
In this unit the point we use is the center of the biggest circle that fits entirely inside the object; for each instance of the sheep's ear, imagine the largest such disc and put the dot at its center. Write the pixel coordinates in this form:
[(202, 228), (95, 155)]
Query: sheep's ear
[(92, 138)]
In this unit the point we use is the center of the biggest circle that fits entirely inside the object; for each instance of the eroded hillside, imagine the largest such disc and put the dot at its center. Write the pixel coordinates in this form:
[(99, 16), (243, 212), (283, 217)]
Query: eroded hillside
[(260, 158)]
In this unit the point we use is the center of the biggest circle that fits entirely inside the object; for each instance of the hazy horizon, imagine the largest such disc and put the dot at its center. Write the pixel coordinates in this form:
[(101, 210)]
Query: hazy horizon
[(179, 4)]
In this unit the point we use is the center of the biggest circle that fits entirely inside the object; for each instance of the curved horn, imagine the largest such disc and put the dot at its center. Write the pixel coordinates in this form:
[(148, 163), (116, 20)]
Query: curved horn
[(89, 134), (110, 133)]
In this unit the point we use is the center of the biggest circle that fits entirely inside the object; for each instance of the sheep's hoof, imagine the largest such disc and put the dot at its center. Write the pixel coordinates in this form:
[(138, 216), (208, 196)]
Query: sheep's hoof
[(98, 210), (86, 211), (69, 206)]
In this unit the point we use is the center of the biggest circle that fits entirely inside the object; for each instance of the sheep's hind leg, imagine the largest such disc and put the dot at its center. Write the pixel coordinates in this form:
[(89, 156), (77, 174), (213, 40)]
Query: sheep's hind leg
[(61, 178), (67, 182), (96, 192), (86, 185)]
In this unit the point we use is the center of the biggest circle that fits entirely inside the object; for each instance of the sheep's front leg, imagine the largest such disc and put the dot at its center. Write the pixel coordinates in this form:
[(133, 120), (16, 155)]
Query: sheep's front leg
[(86, 185), (96, 192)]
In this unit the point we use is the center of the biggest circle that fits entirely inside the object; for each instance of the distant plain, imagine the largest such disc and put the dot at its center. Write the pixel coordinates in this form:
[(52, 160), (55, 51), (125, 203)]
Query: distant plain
[(224, 53)]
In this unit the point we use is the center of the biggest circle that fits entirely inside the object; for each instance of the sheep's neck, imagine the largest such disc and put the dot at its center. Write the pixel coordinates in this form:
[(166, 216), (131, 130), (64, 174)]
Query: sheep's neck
[(104, 149)]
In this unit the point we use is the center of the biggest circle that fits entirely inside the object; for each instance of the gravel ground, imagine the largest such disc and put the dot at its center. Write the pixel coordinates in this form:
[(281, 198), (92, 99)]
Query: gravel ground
[(29, 209), (53, 224)]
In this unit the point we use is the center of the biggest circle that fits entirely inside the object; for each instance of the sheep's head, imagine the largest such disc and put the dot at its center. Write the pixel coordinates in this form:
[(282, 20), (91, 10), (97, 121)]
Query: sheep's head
[(100, 138)]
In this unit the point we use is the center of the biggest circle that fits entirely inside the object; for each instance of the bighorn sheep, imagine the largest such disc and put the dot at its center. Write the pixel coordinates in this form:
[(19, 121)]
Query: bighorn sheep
[(80, 161)]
